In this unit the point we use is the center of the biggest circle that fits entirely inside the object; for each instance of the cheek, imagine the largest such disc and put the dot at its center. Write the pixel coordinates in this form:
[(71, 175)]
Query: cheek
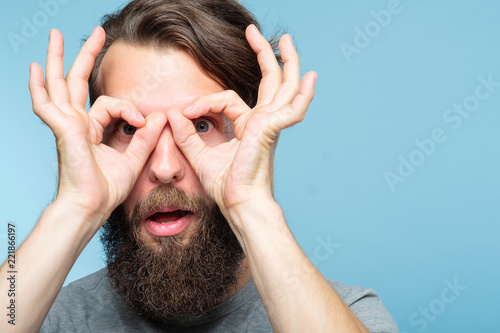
[(230, 135), (129, 204), (218, 136), (228, 129), (138, 193), (117, 145)]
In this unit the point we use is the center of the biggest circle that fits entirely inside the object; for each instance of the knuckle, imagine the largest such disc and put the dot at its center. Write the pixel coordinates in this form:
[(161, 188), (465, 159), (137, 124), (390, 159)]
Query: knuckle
[(130, 105), (101, 100), (292, 86), (124, 106), (232, 94), (188, 139), (36, 110)]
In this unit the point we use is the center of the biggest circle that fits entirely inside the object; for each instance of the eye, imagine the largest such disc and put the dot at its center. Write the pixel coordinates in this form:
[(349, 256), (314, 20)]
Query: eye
[(203, 125), (127, 129)]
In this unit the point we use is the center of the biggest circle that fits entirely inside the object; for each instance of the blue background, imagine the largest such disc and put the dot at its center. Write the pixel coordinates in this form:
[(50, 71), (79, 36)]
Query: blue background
[(408, 242)]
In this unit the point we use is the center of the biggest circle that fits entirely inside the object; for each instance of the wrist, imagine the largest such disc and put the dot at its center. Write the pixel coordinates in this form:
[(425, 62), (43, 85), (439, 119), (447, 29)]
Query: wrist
[(68, 228), (257, 219), (78, 214)]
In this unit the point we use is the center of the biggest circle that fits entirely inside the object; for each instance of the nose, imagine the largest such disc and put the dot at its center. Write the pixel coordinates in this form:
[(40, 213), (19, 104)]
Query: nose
[(166, 161)]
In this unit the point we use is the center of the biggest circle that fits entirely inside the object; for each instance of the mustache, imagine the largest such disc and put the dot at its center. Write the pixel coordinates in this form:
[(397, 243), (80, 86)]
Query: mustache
[(168, 195), (168, 279)]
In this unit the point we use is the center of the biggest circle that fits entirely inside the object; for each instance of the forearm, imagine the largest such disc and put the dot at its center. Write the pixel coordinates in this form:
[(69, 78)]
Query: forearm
[(296, 296), (44, 260)]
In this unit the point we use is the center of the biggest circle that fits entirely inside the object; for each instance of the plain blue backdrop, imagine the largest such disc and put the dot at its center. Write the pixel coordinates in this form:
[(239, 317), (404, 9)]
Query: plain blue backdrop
[(390, 182)]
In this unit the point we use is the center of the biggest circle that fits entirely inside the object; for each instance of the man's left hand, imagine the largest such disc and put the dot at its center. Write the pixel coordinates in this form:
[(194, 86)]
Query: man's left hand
[(239, 171)]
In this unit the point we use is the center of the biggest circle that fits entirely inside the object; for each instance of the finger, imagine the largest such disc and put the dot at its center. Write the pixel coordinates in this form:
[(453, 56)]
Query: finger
[(227, 102), (55, 83), (291, 73), (306, 93), (271, 70), (296, 111), (106, 108), (185, 135), (42, 106), (145, 139), (78, 76)]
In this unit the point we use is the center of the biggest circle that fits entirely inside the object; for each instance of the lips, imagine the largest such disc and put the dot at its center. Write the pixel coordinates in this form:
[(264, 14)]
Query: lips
[(168, 221), (167, 217)]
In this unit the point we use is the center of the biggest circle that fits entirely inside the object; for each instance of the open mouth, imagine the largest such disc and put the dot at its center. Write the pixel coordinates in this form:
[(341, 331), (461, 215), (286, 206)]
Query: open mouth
[(168, 223), (166, 217)]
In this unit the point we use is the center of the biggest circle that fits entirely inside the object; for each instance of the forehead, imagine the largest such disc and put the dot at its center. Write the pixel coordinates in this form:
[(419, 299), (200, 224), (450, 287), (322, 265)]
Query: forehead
[(154, 80)]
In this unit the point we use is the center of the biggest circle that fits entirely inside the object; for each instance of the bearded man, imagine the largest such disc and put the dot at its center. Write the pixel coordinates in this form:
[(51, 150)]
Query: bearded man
[(176, 154)]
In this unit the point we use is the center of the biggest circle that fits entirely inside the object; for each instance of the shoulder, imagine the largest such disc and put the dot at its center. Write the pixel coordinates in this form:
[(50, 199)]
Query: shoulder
[(92, 289), (89, 283), (367, 306), (90, 305), (351, 294), (76, 299)]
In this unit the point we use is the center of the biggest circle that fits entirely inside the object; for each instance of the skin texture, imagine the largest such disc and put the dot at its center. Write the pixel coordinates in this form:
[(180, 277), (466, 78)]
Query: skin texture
[(232, 169), (176, 84)]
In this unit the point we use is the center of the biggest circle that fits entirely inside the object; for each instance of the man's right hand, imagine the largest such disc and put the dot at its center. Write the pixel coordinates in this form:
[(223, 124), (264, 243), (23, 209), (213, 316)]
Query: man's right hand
[(93, 178)]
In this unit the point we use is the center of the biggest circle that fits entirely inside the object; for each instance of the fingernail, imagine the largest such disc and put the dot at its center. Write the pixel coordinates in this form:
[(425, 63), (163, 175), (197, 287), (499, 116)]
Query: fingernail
[(139, 116), (290, 38), (252, 26)]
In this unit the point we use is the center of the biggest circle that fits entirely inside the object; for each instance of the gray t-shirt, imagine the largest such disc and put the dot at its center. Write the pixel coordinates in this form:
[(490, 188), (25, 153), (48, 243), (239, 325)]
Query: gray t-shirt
[(91, 305)]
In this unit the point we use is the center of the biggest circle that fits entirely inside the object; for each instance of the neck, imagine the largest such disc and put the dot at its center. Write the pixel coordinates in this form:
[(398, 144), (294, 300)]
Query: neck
[(243, 279)]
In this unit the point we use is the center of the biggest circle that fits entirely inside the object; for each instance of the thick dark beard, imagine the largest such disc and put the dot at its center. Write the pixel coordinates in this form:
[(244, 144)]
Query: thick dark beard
[(168, 281)]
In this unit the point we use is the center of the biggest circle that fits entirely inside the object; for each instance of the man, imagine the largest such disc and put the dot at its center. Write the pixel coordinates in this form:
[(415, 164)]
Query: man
[(176, 152)]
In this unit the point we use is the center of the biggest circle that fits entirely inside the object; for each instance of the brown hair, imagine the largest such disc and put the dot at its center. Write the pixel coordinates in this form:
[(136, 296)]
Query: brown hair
[(212, 31)]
